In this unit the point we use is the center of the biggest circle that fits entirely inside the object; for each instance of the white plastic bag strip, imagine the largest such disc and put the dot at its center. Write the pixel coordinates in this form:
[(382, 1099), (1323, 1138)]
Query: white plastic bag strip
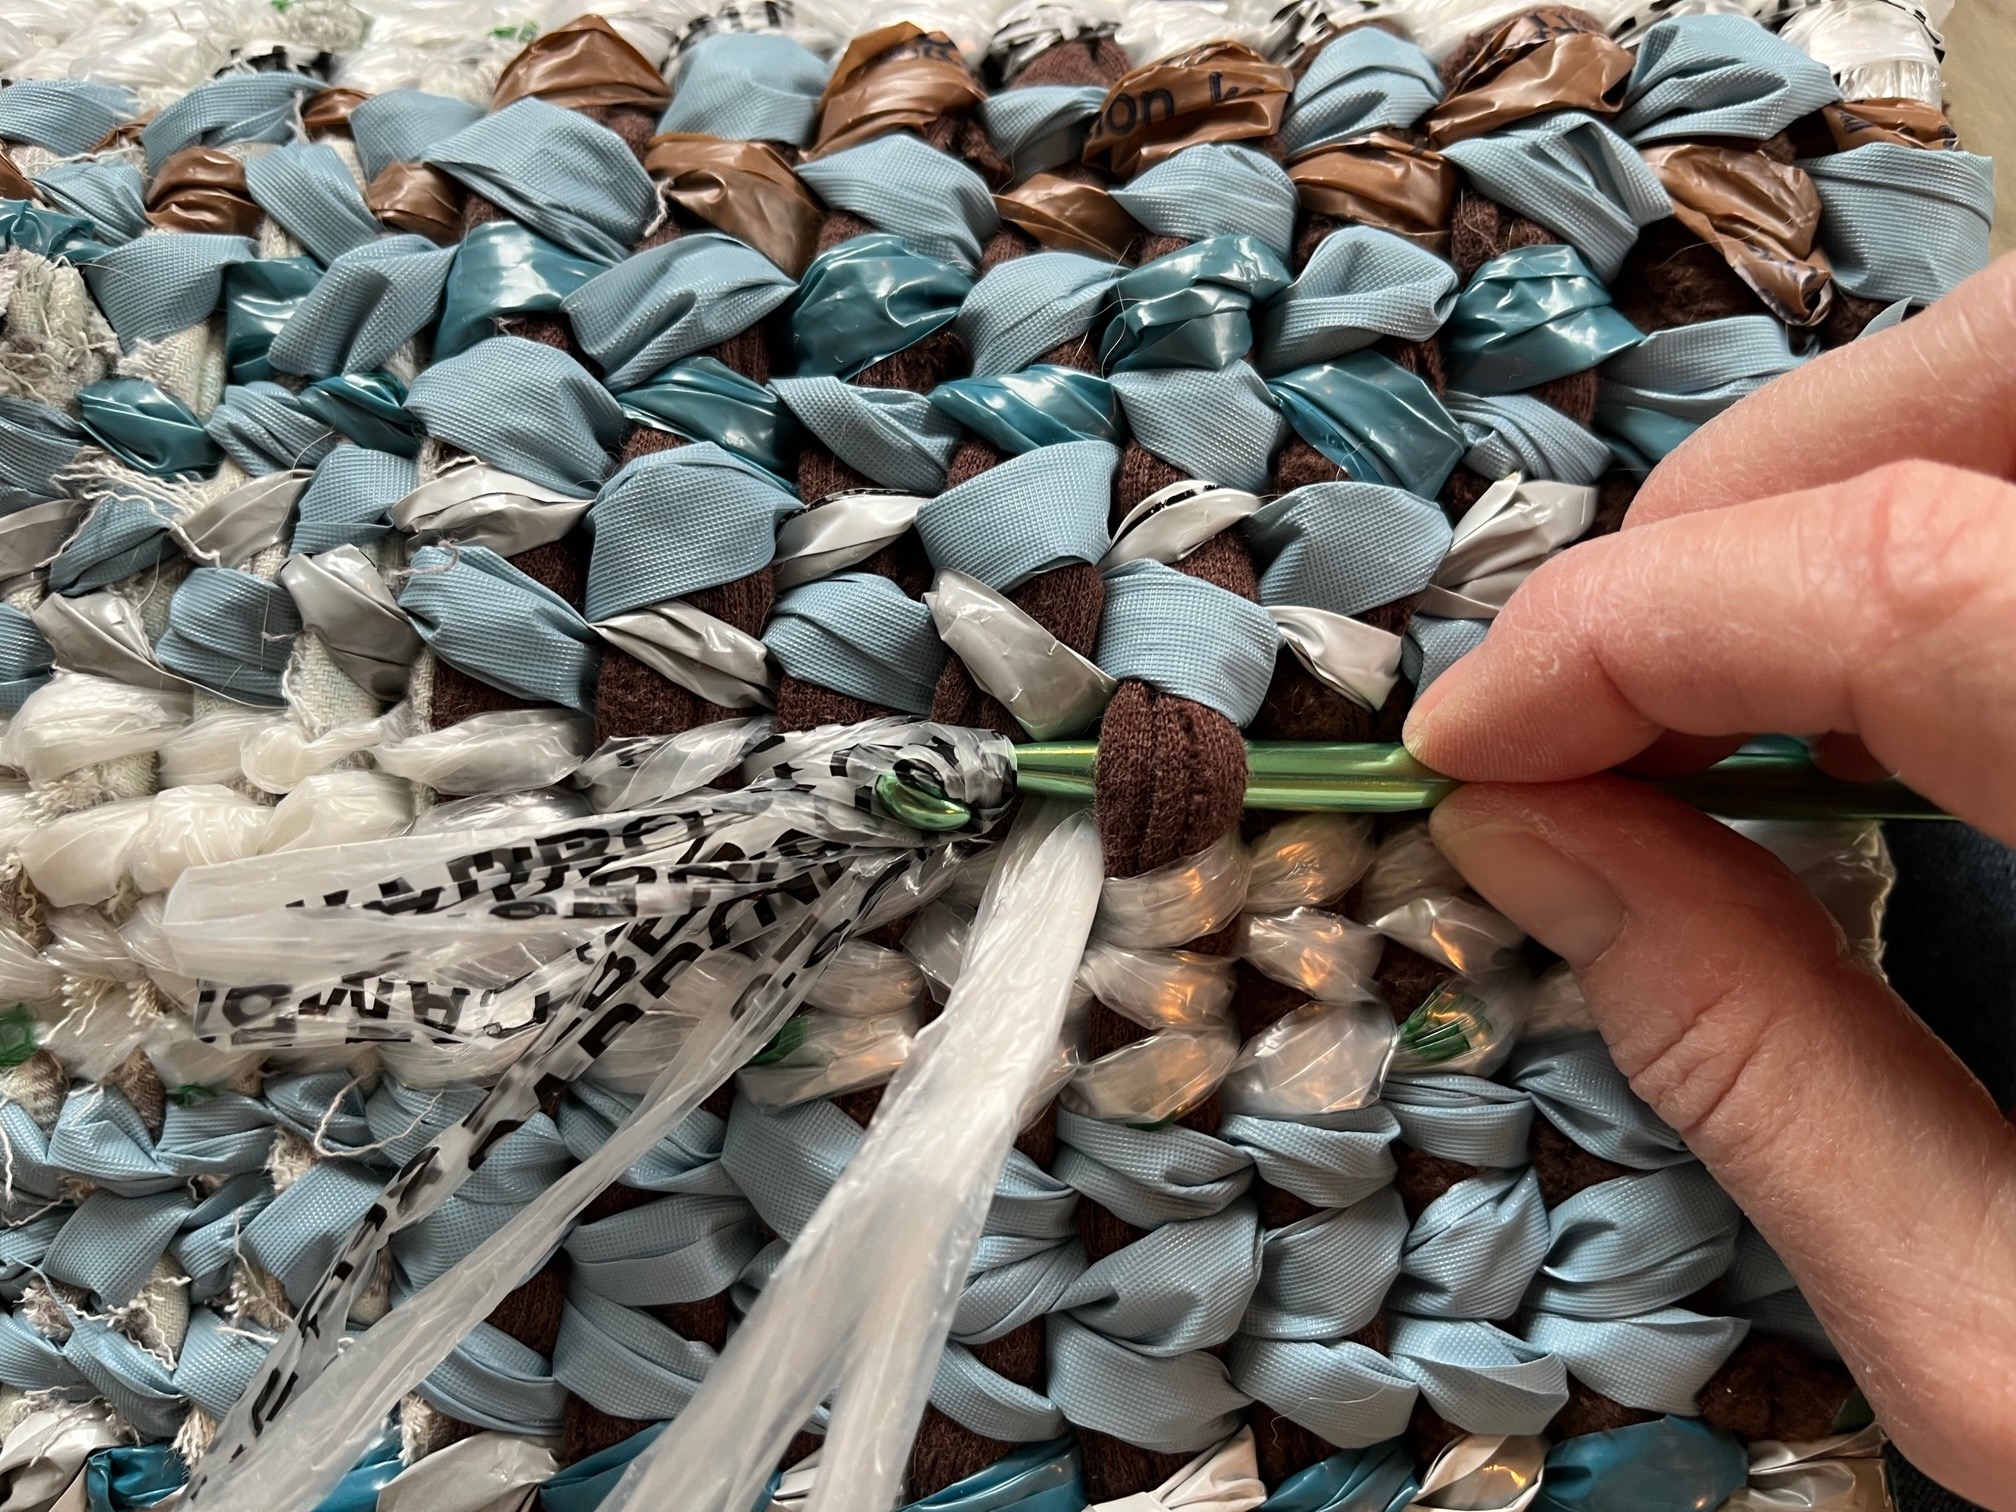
[(865, 1297)]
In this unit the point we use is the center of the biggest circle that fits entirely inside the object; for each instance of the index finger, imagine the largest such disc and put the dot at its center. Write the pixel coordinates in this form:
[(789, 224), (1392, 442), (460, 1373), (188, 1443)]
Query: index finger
[(1940, 388)]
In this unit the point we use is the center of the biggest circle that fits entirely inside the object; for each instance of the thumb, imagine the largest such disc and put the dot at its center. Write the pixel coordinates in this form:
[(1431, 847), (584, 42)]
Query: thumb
[(1872, 1161)]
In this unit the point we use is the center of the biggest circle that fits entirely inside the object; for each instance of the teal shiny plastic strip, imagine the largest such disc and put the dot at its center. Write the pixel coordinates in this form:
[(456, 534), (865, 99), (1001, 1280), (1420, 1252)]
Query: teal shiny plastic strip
[(1374, 419), (1191, 308), (260, 297), (501, 268), (1045, 405), (704, 399), (147, 428), (868, 299), (1530, 316), (369, 408)]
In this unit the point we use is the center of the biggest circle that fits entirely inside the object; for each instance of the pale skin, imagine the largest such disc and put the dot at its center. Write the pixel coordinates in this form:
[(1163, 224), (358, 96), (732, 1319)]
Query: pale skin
[(1835, 557)]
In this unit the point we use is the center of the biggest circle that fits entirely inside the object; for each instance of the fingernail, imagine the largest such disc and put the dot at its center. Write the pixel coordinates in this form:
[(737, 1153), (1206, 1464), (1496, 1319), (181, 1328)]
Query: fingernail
[(1560, 902), (1414, 731)]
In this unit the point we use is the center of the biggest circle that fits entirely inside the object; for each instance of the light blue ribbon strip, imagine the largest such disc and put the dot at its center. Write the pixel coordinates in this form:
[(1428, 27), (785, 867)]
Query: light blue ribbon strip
[(1041, 125), (500, 269), (25, 658), (1473, 1250), (260, 298), (1169, 1405), (894, 437), (1374, 419), (1759, 1287), (1349, 1395), (495, 1382), (164, 282), (1904, 222), (703, 399), (125, 533), (295, 1238), (686, 1160), (525, 407), (1182, 1287), (1511, 433), (371, 301), (896, 183), (401, 124), (1636, 1244), (263, 428), (722, 510), (1530, 316), (1220, 426), (247, 107), (1332, 1160), (1347, 547), (1657, 394), (1148, 1177), (1468, 1119), (1039, 406), (569, 179), (1656, 1361), (67, 116), (1214, 189), (1192, 308), (747, 87), (1184, 636), (1675, 1462), (483, 615), (109, 194), (1326, 1275), (1434, 645), (36, 442), (310, 193), (1039, 511), (868, 299), (1478, 1377), (1377, 1479), (1363, 81), (673, 301), (1361, 283), (858, 634), (625, 1363), (1710, 76), (678, 1249), (147, 428), (231, 633), (100, 1138), (1577, 1087), (1027, 306), (1573, 175)]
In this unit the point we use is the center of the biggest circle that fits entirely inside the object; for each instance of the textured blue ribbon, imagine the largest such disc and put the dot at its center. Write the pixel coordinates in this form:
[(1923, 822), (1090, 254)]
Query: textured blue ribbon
[(1348, 1394), (1511, 433), (1192, 307), (722, 510), (483, 615), (1572, 174), (569, 179), (1636, 1244), (1330, 1161), (1360, 82), (1656, 1361), (1214, 189), (1577, 1087), (686, 1160), (1529, 316), (67, 116), (263, 428), (1035, 512), (1039, 406), (896, 183), (703, 399), (1347, 547), (1027, 306), (527, 408), (1171, 1405), (36, 442), (147, 428), (249, 107), (623, 1362), (496, 1382), (1326, 1275), (859, 634), (1473, 1250), (1759, 1287), (231, 633), (1148, 1177), (1710, 76), (1376, 1479), (1435, 644), (401, 124), (154, 286), (673, 301), (1374, 419), (295, 1238), (1904, 222), (1221, 426), (1673, 1465), (749, 87), (260, 298), (1660, 392), (25, 658), (123, 534), (1041, 125), (372, 300), (1184, 636), (1361, 283), (500, 269), (1478, 1377), (891, 436), (1181, 1287), (100, 1138), (870, 298), (311, 194), (109, 194)]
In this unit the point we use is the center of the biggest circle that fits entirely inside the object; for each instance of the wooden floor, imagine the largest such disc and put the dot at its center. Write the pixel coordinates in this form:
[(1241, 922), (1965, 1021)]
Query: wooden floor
[(1980, 73)]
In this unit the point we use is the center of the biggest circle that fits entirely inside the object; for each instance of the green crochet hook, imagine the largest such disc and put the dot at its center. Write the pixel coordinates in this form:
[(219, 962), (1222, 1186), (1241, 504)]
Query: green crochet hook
[(1770, 780)]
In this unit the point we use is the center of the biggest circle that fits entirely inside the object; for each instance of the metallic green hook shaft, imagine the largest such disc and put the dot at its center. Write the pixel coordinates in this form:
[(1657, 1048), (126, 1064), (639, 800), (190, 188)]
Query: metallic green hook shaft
[(1383, 779)]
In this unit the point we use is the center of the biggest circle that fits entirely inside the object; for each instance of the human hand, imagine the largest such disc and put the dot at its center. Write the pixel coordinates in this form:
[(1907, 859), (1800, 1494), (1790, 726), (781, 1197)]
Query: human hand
[(1835, 557)]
